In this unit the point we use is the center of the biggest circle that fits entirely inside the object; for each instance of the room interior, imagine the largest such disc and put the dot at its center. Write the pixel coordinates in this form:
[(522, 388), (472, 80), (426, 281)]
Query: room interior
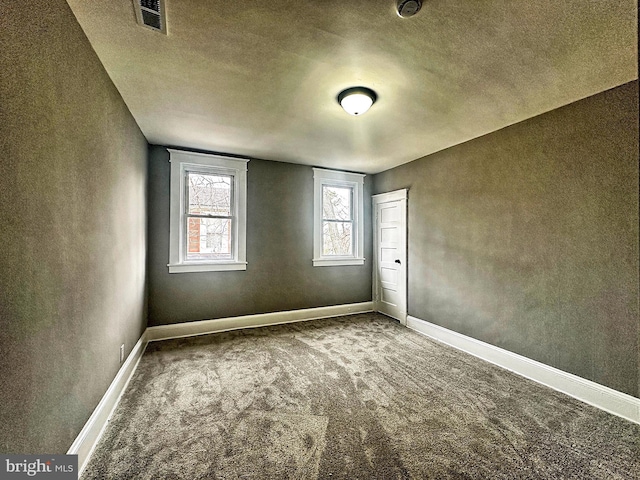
[(513, 127)]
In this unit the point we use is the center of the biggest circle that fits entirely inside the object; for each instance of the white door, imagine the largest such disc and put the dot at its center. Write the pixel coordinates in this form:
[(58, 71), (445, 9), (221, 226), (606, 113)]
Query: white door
[(390, 254)]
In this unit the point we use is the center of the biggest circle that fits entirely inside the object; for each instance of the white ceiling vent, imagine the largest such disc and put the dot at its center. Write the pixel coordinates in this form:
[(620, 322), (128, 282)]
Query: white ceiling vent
[(150, 14)]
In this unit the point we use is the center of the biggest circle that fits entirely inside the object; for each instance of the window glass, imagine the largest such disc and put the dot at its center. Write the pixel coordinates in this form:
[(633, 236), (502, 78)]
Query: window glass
[(209, 194), (337, 238), (209, 239), (336, 202), (337, 228), (209, 226)]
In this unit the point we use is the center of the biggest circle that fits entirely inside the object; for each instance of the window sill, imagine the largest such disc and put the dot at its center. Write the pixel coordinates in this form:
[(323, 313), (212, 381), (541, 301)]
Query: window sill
[(334, 262), (206, 267)]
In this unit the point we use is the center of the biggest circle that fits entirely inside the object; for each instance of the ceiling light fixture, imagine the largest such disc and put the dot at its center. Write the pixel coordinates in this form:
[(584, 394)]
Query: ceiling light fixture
[(408, 8), (357, 100)]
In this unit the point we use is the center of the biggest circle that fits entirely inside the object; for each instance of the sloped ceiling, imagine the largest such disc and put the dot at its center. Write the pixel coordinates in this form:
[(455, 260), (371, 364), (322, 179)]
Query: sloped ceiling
[(260, 78)]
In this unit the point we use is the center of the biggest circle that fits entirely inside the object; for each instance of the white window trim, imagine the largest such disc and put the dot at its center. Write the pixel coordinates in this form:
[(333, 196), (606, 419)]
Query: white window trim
[(323, 177), (180, 162)]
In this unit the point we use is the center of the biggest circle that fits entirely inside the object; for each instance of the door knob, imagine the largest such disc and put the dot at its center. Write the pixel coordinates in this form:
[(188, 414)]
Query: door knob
[(398, 261)]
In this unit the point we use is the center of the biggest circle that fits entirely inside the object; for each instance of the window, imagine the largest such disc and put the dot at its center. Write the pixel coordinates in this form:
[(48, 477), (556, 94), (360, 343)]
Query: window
[(208, 213), (338, 237)]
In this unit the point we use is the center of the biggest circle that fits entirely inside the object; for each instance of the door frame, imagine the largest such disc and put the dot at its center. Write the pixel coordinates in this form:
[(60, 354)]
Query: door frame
[(394, 196)]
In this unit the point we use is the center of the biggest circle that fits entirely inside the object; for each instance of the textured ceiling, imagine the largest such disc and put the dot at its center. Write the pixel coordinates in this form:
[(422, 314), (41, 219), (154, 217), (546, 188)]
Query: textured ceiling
[(260, 78)]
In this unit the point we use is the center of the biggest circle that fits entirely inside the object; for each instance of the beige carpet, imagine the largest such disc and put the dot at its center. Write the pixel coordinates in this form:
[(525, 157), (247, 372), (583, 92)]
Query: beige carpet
[(357, 397)]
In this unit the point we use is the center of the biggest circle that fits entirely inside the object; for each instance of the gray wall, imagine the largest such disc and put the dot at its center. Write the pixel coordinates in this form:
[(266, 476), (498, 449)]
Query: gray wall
[(527, 238), (280, 275), (72, 210)]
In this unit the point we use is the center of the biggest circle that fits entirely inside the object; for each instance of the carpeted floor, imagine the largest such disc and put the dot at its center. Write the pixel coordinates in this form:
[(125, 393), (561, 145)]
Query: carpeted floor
[(357, 397)]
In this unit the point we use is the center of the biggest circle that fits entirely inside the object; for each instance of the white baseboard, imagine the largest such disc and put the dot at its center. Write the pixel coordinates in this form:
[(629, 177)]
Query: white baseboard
[(605, 398), (188, 329), (90, 434)]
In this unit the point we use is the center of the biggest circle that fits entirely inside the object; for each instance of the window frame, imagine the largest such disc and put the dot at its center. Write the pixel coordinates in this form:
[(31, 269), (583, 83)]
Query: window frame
[(182, 162), (189, 216), (334, 178)]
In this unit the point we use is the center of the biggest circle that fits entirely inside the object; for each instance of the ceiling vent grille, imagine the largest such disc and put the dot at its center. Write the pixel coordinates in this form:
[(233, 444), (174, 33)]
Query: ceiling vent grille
[(150, 14)]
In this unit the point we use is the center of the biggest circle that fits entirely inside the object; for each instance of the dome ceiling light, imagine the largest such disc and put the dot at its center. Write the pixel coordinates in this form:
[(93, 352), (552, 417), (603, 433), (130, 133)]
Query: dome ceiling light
[(408, 8), (357, 100)]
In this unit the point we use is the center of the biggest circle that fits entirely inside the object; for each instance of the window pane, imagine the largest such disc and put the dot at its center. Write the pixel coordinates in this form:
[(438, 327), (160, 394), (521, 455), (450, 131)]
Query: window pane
[(336, 203), (209, 239), (336, 238), (209, 194)]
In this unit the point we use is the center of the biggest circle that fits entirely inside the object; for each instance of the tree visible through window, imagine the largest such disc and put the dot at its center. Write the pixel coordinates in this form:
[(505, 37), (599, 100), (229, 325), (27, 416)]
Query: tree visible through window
[(208, 212), (337, 220), (209, 216)]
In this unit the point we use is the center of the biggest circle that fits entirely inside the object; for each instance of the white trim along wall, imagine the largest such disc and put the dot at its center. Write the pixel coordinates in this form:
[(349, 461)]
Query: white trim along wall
[(203, 327), (88, 438), (605, 398), (602, 397)]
